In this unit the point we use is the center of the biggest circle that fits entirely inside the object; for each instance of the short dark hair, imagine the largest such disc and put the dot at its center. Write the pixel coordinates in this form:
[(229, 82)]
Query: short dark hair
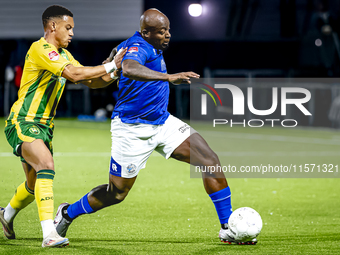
[(55, 11)]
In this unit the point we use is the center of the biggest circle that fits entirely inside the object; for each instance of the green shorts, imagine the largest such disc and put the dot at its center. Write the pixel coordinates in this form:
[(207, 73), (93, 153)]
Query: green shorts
[(27, 131)]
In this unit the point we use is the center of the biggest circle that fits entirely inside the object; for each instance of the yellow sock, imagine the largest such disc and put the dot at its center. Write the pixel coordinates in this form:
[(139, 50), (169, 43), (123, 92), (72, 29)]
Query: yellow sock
[(44, 194), (23, 196)]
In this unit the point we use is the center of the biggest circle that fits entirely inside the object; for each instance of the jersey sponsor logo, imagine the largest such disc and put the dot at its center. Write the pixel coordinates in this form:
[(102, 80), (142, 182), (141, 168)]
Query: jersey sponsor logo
[(131, 168), (34, 130), (53, 55), (46, 46), (133, 49), (27, 56)]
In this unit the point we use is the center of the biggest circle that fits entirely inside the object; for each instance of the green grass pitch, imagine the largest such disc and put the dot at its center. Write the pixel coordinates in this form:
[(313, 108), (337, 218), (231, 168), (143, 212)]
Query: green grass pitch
[(167, 212)]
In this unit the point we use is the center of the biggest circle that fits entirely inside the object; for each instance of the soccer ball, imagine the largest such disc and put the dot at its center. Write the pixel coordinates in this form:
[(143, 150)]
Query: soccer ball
[(245, 224)]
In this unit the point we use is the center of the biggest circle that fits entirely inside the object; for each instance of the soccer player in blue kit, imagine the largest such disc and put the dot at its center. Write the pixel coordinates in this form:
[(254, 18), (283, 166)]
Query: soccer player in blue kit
[(141, 124)]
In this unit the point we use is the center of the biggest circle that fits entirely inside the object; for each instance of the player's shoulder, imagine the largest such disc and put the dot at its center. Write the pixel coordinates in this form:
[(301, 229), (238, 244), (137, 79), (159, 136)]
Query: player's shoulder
[(137, 41), (41, 47), (41, 44)]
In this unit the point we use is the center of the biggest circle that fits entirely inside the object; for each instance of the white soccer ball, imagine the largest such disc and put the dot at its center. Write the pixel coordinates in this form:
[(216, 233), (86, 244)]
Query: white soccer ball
[(245, 224)]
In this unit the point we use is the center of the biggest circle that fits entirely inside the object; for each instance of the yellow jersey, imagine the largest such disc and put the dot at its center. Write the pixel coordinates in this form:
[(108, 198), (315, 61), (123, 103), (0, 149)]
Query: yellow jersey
[(41, 84)]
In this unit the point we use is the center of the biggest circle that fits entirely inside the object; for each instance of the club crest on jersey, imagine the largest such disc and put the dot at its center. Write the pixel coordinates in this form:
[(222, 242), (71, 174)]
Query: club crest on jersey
[(53, 55), (34, 130), (131, 168), (133, 49)]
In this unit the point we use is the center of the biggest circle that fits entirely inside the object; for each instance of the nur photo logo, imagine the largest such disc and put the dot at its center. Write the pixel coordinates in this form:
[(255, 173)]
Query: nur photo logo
[(280, 98)]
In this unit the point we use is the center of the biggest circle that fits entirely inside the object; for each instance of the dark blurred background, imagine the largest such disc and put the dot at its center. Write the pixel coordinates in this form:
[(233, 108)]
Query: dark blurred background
[(236, 38)]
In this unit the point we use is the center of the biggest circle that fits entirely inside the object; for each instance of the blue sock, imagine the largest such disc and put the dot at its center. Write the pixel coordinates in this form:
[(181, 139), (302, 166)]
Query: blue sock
[(80, 207), (222, 202)]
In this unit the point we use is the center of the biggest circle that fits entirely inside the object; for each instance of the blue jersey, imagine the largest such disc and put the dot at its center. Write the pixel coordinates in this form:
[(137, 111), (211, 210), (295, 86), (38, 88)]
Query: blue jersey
[(142, 102)]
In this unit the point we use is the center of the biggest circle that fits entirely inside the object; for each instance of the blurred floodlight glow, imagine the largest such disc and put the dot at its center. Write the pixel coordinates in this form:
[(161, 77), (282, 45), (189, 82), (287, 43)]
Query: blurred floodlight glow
[(318, 42), (195, 10)]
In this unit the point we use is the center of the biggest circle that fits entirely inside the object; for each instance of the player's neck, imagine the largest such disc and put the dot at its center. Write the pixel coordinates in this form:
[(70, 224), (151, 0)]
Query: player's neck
[(50, 39)]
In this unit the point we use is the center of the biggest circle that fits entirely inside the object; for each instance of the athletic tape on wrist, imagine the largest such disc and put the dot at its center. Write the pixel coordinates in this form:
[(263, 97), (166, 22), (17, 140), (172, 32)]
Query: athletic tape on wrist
[(110, 67)]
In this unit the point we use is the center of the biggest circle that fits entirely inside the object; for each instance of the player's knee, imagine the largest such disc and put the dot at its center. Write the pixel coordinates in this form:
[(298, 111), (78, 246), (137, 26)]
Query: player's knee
[(115, 195), (49, 165), (121, 196), (113, 199), (210, 159), (46, 165)]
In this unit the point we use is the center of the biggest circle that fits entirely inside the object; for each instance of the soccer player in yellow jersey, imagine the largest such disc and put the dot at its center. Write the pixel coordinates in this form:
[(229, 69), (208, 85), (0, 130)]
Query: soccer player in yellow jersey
[(29, 127)]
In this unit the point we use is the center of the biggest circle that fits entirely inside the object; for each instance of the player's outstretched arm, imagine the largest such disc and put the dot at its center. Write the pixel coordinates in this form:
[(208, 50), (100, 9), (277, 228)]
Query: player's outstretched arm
[(182, 78), (77, 74), (133, 70), (101, 82), (86, 74)]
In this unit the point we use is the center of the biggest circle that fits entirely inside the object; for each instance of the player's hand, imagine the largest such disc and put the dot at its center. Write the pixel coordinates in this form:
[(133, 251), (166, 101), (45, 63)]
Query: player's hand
[(107, 60), (119, 57), (112, 54), (117, 72), (179, 78)]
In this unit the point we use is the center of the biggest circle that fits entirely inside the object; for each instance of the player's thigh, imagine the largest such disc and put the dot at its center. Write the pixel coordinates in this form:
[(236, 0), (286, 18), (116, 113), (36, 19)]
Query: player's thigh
[(19, 133), (182, 142), (196, 151), (37, 155), (173, 133), (132, 145)]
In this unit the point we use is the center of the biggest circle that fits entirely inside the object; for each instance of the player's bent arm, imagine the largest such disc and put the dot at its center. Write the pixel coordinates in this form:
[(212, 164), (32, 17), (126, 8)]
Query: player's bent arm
[(135, 71), (76, 74)]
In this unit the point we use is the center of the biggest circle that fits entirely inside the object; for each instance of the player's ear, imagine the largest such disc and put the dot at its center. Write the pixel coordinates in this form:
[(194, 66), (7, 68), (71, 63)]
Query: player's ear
[(53, 25)]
